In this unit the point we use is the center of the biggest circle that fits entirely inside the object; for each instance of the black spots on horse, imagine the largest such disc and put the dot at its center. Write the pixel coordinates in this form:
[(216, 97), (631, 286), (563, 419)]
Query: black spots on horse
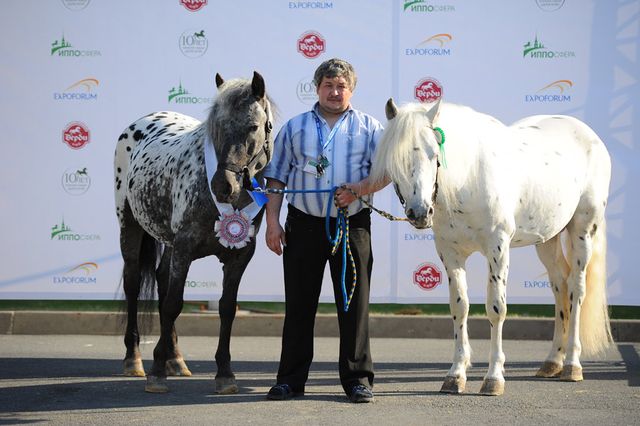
[(132, 127), (151, 126), (458, 301), (530, 217), (495, 261), (137, 135), (562, 315), (499, 249), (455, 317), (534, 127), (594, 229), (131, 183), (559, 348), (128, 149), (171, 134), (495, 308), (571, 297), (455, 336), (493, 278), (458, 211), (119, 170), (123, 136), (579, 263), (557, 289)]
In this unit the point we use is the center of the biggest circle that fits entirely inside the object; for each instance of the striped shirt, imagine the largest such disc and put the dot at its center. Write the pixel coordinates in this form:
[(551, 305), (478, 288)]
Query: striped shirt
[(350, 153)]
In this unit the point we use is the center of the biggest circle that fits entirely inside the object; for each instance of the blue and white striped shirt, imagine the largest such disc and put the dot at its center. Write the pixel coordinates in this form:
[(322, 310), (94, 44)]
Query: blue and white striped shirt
[(350, 154)]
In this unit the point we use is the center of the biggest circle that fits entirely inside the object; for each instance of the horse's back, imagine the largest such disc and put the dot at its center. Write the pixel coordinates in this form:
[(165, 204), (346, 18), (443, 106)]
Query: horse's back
[(148, 159)]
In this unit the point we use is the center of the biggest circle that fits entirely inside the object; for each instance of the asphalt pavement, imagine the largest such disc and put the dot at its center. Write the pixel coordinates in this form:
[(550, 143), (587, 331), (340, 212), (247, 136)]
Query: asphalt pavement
[(77, 379)]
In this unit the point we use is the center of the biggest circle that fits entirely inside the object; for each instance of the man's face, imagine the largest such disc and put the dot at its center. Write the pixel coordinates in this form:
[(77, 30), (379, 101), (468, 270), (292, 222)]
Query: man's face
[(334, 94)]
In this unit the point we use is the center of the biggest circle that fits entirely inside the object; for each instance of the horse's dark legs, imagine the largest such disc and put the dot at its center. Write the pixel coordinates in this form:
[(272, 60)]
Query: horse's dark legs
[(170, 308), (175, 364), (131, 236), (232, 274)]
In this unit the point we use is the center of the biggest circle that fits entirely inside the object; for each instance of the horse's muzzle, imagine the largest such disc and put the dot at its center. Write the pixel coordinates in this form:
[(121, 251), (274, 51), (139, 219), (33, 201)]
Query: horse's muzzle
[(226, 186), (420, 218)]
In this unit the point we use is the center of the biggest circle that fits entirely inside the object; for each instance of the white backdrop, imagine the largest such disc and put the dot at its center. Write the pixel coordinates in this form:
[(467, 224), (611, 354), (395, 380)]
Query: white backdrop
[(76, 72)]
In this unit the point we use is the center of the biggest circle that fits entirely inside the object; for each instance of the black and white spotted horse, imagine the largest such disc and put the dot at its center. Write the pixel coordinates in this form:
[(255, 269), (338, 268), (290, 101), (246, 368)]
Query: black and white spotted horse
[(166, 209)]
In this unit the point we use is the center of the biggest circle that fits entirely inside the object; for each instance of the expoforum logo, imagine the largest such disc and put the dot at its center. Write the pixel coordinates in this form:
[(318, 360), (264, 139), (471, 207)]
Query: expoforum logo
[(436, 45), (310, 5), (64, 48), (193, 5), (75, 4), (63, 232), (537, 50), (556, 92), (76, 180), (422, 6), (193, 43), (82, 90), (182, 96), (81, 274)]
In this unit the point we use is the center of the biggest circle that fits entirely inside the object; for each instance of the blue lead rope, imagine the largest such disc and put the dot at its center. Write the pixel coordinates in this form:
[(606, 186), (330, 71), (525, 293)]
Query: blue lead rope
[(341, 236)]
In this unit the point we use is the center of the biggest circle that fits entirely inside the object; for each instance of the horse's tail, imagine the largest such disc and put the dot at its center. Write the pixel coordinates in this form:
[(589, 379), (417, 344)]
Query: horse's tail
[(595, 329), (150, 252)]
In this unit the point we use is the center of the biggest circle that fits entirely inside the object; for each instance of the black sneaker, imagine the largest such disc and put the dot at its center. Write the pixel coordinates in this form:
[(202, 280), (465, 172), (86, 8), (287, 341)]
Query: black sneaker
[(281, 392), (360, 393)]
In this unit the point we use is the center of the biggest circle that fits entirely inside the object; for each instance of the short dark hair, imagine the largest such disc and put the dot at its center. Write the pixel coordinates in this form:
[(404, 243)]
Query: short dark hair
[(336, 68)]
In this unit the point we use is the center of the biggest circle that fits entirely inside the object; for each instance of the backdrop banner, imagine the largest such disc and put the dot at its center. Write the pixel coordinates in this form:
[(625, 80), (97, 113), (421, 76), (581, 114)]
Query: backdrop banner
[(77, 72)]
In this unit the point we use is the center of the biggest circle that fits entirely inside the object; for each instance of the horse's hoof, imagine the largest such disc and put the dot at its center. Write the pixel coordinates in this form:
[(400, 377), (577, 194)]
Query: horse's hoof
[(156, 385), (492, 387), (549, 369), (226, 385), (571, 373), (177, 367), (453, 385), (133, 367)]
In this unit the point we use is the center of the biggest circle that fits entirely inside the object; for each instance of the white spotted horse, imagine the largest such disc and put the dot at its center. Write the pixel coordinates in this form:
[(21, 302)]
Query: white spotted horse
[(166, 209), (485, 187)]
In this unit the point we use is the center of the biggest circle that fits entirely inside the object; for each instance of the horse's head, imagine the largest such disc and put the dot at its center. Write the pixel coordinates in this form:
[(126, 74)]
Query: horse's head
[(408, 156), (240, 126)]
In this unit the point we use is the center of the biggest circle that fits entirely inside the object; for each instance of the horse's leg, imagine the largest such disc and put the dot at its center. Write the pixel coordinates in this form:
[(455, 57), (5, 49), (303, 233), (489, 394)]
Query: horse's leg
[(497, 254), (131, 236), (551, 256), (169, 310), (233, 269), (175, 364), (580, 254), (456, 377)]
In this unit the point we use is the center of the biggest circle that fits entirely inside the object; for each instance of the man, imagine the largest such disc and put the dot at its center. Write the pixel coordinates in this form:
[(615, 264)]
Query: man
[(331, 145)]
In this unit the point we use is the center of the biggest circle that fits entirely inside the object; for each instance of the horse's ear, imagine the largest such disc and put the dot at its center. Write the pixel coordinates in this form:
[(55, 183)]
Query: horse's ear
[(390, 109), (219, 80), (257, 85), (432, 113)]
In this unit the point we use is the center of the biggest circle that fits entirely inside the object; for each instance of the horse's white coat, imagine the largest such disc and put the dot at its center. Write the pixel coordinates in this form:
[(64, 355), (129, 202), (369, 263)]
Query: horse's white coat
[(508, 187)]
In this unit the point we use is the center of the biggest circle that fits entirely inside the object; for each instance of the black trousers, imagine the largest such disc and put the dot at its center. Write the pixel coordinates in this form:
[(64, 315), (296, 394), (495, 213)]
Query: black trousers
[(305, 257)]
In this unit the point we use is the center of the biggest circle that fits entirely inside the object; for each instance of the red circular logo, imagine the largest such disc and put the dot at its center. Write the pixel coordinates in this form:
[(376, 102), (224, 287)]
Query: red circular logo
[(193, 5), (311, 44), (76, 135), (428, 90), (427, 276)]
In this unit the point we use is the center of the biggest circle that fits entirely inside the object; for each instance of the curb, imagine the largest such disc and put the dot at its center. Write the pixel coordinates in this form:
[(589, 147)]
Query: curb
[(253, 324)]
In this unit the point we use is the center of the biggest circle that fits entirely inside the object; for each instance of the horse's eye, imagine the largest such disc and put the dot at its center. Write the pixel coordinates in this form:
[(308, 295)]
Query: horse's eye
[(253, 128)]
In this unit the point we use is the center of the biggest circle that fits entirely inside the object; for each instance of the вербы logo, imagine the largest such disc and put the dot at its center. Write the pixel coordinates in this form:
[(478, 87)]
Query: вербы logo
[(428, 90), (76, 135), (427, 276), (311, 44)]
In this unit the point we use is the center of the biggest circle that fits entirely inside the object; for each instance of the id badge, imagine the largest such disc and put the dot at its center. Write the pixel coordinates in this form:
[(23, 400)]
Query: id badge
[(317, 167)]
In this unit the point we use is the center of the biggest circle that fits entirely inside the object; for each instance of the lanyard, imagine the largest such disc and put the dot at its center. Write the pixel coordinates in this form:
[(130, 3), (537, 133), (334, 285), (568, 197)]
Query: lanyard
[(333, 132)]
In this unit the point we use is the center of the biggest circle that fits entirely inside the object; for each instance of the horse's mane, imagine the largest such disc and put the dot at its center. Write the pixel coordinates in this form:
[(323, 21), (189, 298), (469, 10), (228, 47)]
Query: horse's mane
[(463, 129)]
